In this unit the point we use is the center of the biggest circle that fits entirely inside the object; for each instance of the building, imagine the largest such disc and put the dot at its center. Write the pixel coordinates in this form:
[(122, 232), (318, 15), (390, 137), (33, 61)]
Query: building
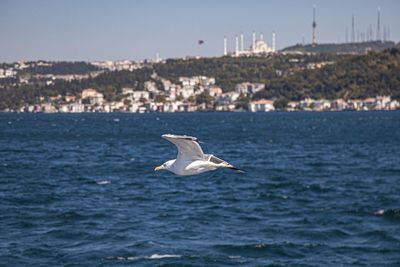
[(258, 47), (249, 88), (92, 96), (262, 105), (7, 73), (227, 98), (382, 102), (215, 91), (339, 104), (321, 105), (133, 95), (292, 105), (197, 80), (185, 92)]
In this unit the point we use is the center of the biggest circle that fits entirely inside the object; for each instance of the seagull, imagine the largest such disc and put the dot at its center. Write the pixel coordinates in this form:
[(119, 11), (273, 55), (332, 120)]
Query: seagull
[(191, 160)]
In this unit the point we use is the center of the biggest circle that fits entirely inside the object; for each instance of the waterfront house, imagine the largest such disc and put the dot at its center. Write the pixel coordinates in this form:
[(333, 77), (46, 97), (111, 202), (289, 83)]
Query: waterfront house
[(263, 105)]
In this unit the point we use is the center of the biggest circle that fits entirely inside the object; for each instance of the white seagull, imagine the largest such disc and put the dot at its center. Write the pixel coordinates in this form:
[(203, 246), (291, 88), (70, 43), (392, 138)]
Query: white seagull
[(191, 160)]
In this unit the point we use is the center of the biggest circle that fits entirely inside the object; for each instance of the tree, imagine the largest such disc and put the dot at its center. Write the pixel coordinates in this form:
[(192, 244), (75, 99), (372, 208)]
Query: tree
[(242, 102), (127, 102), (281, 103), (159, 98), (204, 98)]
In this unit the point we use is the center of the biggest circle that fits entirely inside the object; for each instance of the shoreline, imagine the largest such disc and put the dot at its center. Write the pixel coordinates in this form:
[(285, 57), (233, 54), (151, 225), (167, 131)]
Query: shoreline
[(205, 112)]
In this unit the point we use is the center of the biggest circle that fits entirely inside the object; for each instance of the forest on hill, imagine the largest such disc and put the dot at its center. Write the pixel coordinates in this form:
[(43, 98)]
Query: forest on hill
[(377, 73), (286, 76), (343, 48)]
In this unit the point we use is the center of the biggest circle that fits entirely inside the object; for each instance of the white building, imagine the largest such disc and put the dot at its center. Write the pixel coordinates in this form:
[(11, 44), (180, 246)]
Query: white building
[(140, 95), (227, 107), (249, 88), (227, 98), (77, 108), (292, 105), (305, 104), (321, 104), (215, 91), (186, 92), (340, 104), (93, 96), (197, 80), (6, 73), (263, 105), (171, 107), (150, 86), (394, 104), (382, 102), (166, 84), (258, 47), (133, 95)]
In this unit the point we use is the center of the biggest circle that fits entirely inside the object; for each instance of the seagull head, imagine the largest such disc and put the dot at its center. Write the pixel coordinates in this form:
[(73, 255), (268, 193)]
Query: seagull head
[(165, 165)]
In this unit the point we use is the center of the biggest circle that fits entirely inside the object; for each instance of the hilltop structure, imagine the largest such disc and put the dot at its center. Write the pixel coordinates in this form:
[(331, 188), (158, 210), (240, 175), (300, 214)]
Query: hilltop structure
[(314, 26), (258, 46)]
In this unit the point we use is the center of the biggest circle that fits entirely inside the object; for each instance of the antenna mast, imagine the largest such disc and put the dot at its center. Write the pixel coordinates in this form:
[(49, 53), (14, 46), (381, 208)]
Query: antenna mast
[(314, 25)]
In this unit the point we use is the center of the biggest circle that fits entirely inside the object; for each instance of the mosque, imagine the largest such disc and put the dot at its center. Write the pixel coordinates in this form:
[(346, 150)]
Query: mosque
[(258, 46)]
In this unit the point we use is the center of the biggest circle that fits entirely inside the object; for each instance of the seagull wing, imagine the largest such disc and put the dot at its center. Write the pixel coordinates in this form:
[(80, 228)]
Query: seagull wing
[(188, 147), (220, 162)]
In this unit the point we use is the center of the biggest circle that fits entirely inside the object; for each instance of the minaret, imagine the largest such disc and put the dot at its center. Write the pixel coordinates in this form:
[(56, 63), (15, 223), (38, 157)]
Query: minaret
[(253, 47), (241, 42), (261, 36), (273, 42), (378, 26), (314, 25), (237, 46), (225, 46), (353, 36)]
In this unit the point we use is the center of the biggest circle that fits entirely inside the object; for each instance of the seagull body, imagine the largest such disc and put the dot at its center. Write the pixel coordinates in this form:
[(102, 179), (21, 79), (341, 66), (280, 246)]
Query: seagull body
[(191, 160)]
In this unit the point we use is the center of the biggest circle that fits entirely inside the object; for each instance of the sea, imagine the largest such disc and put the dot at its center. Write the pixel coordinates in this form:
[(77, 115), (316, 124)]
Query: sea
[(318, 189)]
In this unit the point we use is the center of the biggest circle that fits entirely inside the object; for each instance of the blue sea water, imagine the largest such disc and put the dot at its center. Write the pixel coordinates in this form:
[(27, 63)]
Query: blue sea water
[(320, 189)]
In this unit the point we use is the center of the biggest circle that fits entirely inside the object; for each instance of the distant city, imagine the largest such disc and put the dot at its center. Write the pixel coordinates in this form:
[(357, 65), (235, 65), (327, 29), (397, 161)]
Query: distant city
[(192, 93), (158, 94)]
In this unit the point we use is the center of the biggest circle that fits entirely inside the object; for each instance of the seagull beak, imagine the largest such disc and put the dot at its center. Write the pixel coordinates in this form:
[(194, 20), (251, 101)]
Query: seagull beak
[(157, 168)]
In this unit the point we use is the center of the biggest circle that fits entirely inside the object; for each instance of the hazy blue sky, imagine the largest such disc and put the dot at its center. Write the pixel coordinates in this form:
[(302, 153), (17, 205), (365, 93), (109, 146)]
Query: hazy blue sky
[(121, 29)]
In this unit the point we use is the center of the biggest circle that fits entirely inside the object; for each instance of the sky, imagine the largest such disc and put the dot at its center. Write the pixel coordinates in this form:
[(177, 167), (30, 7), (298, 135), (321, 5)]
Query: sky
[(91, 30)]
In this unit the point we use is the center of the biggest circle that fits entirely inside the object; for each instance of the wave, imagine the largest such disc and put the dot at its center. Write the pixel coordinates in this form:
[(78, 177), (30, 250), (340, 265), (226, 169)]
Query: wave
[(257, 250), (103, 182), (149, 257), (390, 213), (162, 256)]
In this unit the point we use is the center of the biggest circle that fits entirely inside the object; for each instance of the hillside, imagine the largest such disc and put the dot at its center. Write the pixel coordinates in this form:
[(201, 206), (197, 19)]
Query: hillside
[(287, 77), (344, 48), (377, 73), (228, 71)]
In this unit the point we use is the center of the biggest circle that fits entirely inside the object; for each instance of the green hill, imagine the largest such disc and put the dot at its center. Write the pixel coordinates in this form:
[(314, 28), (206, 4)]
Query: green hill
[(228, 71), (287, 77), (377, 73), (344, 48)]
